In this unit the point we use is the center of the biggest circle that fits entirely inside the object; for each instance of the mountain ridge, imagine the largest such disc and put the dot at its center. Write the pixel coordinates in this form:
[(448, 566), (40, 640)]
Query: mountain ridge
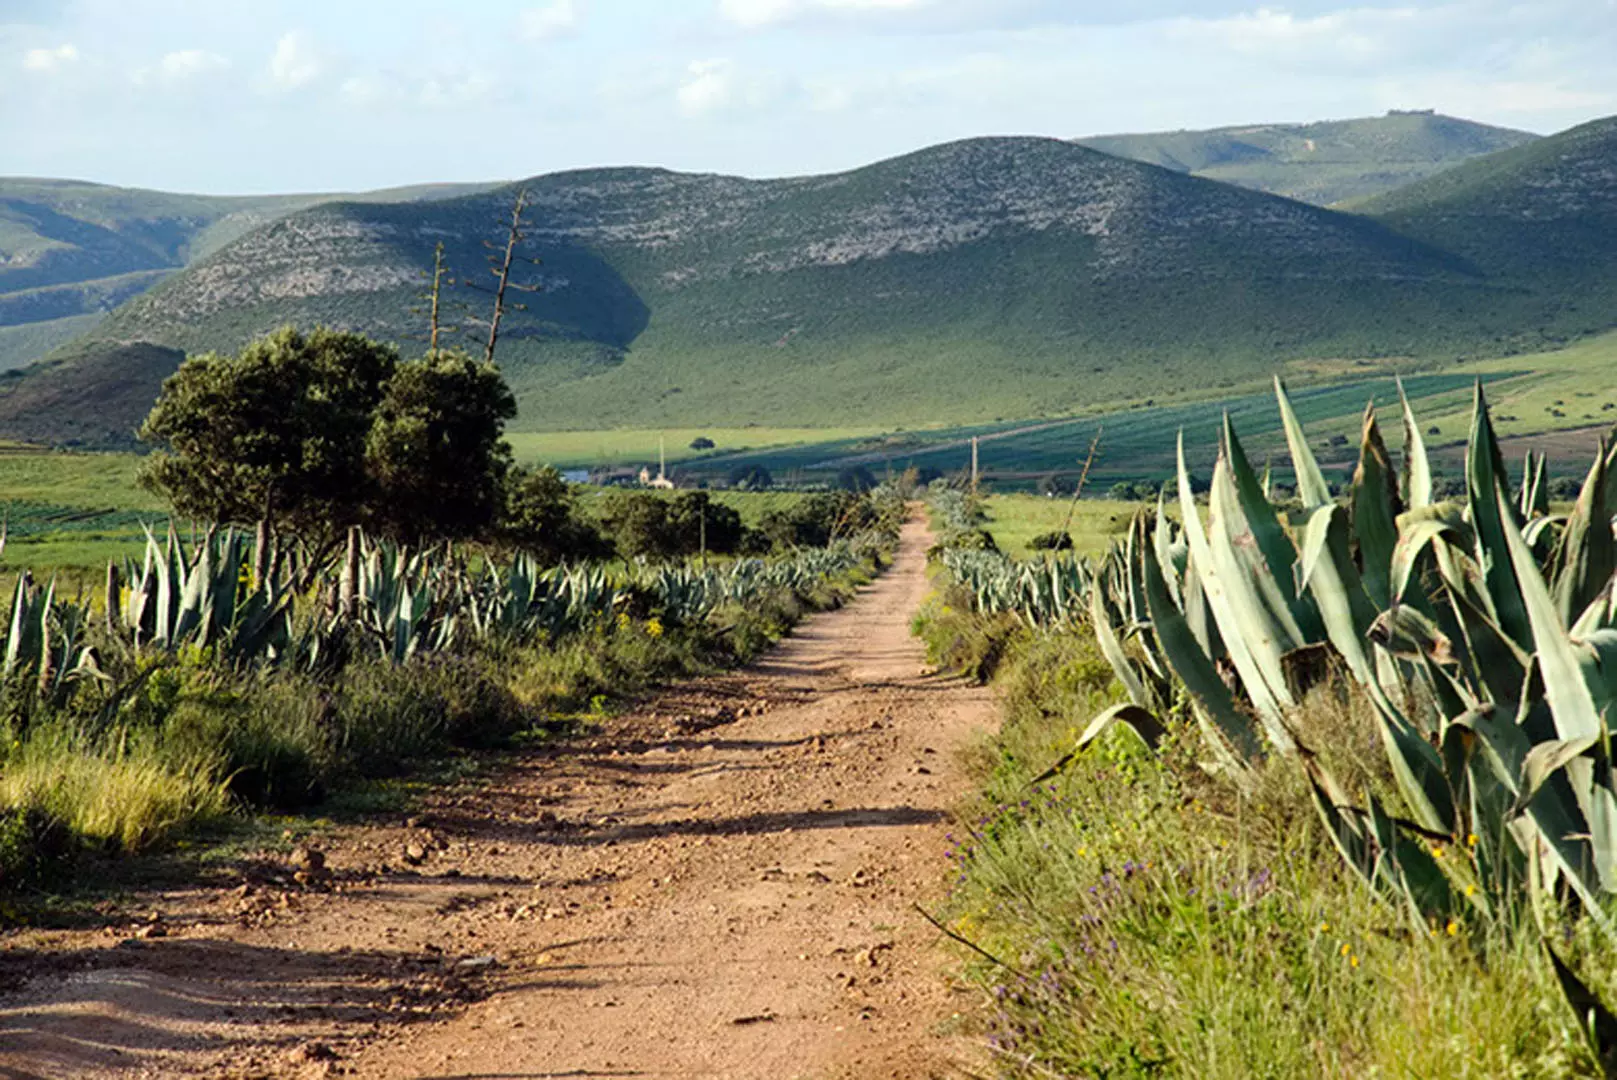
[(878, 295)]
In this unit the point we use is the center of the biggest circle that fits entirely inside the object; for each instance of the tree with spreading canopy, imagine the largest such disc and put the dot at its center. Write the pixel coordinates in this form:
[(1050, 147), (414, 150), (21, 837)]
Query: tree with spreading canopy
[(316, 432)]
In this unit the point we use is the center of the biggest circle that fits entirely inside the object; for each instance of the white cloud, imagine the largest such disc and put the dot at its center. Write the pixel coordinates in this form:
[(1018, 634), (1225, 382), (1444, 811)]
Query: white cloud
[(181, 67), (708, 87), (449, 91), (755, 14), (1359, 37), (50, 59), (556, 19), (296, 61), (716, 86)]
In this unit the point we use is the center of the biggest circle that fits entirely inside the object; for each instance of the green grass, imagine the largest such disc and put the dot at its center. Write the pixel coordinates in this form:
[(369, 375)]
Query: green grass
[(584, 449), (1094, 523), (1152, 921)]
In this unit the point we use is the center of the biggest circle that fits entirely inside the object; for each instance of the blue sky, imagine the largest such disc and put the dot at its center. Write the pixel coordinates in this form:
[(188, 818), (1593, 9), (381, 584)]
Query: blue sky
[(296, 95)]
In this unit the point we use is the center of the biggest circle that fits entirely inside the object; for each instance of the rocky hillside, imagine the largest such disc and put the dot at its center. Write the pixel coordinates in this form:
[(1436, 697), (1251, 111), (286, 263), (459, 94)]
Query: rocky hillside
[(70, 249), (881, 295), (1545, 213), (1323, 163)]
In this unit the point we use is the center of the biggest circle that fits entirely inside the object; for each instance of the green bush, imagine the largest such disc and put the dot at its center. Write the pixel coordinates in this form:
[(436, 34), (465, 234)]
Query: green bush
[(33, 843), (384, 715)]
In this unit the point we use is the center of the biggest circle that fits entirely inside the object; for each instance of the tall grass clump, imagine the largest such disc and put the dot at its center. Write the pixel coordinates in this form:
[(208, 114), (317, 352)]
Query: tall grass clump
[(124, 792)]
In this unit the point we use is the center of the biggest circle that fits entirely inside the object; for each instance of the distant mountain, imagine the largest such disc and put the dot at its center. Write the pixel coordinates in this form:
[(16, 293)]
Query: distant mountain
[(1323, 163), (70, 249), (989, 277), (1544, 214)]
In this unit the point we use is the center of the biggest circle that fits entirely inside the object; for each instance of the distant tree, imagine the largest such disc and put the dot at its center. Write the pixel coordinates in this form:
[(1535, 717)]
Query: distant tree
[(637, 522), (702, 442), (275, 434), (1565, 488), (1122, 491), (751, 478), (539, 517), (856, 478), (695, 520), (436, 453), (1053, 484)]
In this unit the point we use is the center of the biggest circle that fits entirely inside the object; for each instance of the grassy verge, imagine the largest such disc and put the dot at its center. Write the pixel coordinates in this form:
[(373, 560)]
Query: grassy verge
[(1149, 920)]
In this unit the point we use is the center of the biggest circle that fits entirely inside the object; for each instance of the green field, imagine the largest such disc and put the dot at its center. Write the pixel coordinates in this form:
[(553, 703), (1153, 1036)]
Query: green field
[(1137, 444), (583, 449), (1093, 523)]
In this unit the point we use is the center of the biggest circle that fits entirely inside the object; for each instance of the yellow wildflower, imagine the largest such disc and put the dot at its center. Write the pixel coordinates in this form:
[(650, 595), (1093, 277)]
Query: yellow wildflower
[(654, 627), (1453, 928)]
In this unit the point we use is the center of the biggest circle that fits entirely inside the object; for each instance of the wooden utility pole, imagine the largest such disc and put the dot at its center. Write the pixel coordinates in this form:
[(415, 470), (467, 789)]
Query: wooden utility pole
[(974, 466)]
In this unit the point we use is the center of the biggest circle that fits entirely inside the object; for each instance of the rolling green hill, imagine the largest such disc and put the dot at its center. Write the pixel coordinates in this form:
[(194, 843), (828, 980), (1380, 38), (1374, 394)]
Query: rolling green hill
[(1322, 163), (983, 279), (70, 249), (886, 295), (1544, 213)]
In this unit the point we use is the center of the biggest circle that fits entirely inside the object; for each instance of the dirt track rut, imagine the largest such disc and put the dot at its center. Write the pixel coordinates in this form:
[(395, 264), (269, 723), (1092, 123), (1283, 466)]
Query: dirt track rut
[(719, 886)]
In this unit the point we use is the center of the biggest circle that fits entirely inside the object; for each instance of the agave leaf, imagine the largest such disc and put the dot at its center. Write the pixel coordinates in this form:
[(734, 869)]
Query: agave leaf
[(1333, 581), (1238, 639), (1419, 530), (1193, 666), (1587, 556), (1375, 511), (1101, 618), (1486, 480), (1571, 702), (1407, 870), (1258, 594), (1345, 830), (1491, 658), (1544, 760), (1145, 727), (1311, 486), (1417, 482), (1257, 515)]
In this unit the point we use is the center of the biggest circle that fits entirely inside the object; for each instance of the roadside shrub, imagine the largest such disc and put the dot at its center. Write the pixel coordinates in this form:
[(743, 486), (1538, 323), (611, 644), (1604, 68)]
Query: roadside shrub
[(1051, 541), (385, 714), (270, 741), (33, 844), (959, 641)]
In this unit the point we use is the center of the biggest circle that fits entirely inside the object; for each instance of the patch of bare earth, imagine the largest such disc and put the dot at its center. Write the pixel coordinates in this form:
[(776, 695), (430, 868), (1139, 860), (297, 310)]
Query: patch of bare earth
[(721, 885)]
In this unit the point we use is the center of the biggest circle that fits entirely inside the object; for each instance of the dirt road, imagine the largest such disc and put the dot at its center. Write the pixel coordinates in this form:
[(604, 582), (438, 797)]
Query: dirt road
[(719, 886)]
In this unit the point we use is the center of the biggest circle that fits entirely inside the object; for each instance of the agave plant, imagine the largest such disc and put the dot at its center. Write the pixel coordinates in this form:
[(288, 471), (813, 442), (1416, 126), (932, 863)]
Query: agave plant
[(201, 596), (1483, 630), (1049, 592)]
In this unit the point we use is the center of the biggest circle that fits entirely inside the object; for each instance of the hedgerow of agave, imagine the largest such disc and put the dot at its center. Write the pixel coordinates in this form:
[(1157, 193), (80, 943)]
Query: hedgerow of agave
[(1483, 629), (203, 595)]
